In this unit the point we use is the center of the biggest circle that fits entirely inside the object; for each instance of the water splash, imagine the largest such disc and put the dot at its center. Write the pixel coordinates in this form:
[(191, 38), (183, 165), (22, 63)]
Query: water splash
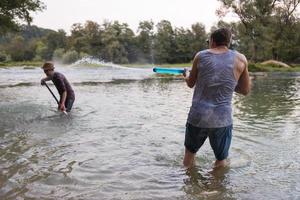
[(89, 60)]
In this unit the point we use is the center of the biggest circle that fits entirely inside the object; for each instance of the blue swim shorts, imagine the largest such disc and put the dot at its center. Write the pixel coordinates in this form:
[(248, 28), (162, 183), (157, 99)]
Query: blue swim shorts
[(219, 139), (69, 104)]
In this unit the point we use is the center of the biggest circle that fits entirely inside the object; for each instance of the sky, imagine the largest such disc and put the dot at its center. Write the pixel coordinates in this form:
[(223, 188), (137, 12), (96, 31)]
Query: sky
[(61, 14)]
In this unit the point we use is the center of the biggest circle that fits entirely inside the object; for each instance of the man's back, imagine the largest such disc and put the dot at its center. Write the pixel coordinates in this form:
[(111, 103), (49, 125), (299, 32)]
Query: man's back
[(216, 82), (62, 84), (216, 74)]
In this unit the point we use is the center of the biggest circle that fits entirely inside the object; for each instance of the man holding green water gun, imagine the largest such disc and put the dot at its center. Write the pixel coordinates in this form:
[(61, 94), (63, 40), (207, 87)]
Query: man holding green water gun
[(216, 74)]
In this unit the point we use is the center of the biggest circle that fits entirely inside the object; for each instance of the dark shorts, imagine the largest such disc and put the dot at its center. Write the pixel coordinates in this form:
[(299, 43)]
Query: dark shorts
[(69, 104), (219, 139)]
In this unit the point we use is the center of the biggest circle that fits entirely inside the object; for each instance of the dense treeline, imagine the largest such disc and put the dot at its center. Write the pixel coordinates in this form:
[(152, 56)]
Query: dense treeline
[(268, 29), (110, 41)]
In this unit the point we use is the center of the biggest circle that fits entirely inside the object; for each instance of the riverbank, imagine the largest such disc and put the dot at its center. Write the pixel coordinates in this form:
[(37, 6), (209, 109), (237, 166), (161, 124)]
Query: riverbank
[(25, 64), (253, 67), (258, 67)]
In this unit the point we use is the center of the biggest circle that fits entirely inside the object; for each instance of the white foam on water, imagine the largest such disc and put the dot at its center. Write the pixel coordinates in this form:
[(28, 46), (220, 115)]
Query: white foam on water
[(22, 161), (88, 60)]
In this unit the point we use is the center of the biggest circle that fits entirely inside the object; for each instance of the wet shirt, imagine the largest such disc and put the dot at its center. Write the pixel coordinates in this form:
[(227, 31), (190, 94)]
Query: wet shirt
[(211, 106), (62, 84)]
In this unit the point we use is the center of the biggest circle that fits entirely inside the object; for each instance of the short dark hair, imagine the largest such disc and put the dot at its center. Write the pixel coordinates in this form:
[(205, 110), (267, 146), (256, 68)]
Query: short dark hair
[(48, 66), (221, 36)]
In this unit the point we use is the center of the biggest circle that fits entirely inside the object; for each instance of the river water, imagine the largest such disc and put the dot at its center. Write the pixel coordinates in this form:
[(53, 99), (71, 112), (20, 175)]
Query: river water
[(124, 139)]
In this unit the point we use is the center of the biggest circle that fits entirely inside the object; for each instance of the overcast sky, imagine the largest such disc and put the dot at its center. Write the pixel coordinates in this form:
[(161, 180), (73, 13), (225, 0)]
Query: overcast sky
[(61, 14)]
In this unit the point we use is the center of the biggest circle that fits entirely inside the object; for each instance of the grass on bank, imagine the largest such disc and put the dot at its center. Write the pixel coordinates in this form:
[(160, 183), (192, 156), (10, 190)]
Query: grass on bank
[(25, 64)]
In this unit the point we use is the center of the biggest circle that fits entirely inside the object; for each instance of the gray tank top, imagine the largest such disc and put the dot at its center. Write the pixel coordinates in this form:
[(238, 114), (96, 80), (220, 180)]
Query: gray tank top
[(211, 106)]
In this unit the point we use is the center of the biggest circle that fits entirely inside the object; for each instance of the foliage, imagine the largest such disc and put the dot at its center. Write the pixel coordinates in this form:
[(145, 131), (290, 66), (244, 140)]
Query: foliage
[(145, 42), (21, 63), (54, 40), (3, 56), (164, 43), (70, 57), (13, 11), (58, 54), (266, 27), (199, 37), (19, 50)]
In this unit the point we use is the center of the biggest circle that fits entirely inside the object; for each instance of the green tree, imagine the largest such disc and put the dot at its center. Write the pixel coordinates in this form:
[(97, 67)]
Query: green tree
[(164, 43), (86, 38), (41, 51), (199, 37), (184, 41), (119, 43), (29, 39), (265, 23), (19, 50), (145, 41), (70, 57), (55, 40), (286, 20), (92, 34), (47, 45), (77, 40), (58, 54), (13, 11)]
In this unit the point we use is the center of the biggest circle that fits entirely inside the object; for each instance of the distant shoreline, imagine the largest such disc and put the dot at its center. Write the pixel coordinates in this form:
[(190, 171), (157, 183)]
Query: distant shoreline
[(25, 64), (258, 67)]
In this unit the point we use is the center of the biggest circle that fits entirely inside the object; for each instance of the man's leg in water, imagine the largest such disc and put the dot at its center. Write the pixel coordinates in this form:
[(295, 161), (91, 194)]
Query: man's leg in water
[(69, 104), (189, 159), (221, 163), (194, 139), (220, 140)]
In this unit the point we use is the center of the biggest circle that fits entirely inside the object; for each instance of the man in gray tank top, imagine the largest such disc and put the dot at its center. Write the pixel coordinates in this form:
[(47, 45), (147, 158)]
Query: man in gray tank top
[(217, 73)]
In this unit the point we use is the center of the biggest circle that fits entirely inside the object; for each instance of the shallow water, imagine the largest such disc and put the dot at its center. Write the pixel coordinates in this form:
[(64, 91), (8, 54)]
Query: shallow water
[(124, 139)]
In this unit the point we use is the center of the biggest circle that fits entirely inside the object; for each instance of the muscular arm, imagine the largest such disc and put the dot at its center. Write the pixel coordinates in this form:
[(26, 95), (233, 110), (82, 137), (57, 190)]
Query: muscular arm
[(62, 101), (244, 83), (192, 77), (63, 98)]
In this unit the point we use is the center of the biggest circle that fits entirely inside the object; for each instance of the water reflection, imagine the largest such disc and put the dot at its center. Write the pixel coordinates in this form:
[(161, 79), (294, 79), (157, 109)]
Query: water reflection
[(124, 140), (269, 99), (204, 184)]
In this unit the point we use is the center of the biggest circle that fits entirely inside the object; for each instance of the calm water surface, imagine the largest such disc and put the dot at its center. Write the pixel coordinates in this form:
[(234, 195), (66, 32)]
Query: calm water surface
[(124, 139)]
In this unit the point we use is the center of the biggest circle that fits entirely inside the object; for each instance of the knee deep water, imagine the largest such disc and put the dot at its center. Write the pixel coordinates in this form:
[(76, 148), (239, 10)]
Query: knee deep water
[(124, 138)]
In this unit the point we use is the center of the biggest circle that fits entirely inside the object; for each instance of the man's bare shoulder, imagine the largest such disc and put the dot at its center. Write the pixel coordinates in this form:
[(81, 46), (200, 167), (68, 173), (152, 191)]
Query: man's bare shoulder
[(241, 57), (197, 55)]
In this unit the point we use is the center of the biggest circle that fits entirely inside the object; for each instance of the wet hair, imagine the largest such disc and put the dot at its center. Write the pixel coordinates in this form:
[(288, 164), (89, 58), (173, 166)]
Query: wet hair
[(48, 66), (221, 37)]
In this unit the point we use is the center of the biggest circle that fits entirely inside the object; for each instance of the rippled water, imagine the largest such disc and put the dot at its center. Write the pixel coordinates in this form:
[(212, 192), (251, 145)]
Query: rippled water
[(124, 139)]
